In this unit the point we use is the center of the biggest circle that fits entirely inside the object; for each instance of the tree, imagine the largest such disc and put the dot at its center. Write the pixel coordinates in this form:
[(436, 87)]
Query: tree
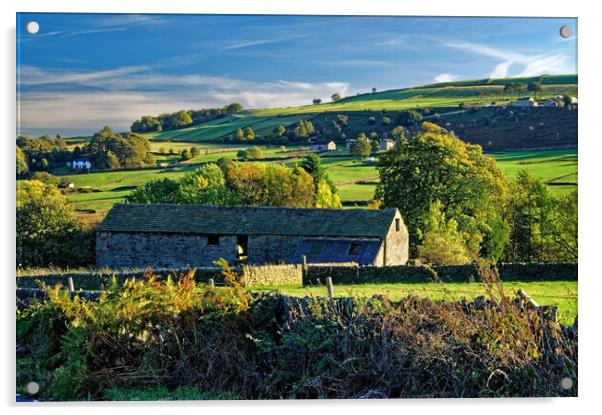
[(255, 153), (249, 134), (371, 121), (398, 133), (130, 149), (22, 167), (385, 121), (47, 233), (443, 242), (361, 147), (313, 165), (146, 124), (186, 155), (195, 152), (155, 191), (45, 178), (303, 129), (409, 117), (535, 87), (335, 97), (437, 166), (239, 134), (317, 101), (373, 90), (342, 119), (242, 154), (514, 88), (279, 131), (112, 162), (178, 119), (374, 144), (232, 108), (543, 227)]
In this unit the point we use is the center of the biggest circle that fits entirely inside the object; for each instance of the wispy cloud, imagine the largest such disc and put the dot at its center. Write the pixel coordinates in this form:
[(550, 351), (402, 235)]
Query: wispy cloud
[(547, 63), (446, 77), (56, 99), (249, 43)]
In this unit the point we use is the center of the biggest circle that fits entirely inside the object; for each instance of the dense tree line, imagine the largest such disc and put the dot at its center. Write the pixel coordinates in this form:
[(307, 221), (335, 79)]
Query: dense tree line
[(110, 150), (167, 121), (459, 206), (41, 154), (233, 183)]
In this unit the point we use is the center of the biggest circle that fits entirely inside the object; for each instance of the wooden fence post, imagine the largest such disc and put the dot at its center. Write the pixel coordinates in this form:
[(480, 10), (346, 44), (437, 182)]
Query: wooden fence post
[(71, 285), (303, 269), (330, 287)]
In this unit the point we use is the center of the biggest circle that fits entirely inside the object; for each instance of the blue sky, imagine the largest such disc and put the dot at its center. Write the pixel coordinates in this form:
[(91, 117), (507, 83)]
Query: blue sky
[(83, 71)]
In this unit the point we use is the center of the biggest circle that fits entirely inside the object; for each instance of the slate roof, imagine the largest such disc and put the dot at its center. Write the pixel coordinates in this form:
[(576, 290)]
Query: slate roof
[(248, 220), (324, 251)]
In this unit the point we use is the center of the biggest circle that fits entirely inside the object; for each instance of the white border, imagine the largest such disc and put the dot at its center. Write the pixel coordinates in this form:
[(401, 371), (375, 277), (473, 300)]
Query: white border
[(590, 148)]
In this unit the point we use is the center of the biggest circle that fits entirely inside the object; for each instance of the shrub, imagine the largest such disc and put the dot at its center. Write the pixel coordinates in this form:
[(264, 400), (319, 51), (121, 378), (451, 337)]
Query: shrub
[(170, 336)]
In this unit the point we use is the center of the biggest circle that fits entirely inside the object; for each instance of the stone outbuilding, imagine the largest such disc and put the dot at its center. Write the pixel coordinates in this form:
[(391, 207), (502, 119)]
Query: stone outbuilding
[(177, 236), (330, 146)]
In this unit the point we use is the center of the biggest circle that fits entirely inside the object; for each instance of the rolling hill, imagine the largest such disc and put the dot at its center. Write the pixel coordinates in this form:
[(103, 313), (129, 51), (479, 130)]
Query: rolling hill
[(453, 98)]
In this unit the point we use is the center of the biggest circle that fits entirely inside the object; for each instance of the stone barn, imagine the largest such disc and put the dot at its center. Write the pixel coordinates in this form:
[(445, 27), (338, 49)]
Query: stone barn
[(177, 236)]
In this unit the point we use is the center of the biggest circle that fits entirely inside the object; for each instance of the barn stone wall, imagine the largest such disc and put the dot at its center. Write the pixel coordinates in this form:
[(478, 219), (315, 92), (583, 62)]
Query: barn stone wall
[(120, 249), (272, 249), (396, 244), (272, 275)]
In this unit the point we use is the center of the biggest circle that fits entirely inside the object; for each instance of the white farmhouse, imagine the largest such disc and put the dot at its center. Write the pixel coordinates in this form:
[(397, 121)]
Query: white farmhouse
[(81, 164)]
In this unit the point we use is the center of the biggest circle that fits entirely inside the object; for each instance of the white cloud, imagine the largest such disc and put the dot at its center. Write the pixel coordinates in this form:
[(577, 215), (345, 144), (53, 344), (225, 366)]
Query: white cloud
[(119, 96), (446, 77), (501, 70), (549, 63)]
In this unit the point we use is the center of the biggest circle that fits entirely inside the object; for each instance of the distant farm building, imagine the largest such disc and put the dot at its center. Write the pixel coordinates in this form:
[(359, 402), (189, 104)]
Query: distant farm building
[(81, 164), (177, 236), (330, 146), (387, 144), (524, 102)]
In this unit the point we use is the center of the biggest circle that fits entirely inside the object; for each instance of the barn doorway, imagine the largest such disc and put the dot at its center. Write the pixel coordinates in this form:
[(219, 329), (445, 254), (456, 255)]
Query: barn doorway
[(242, 242)]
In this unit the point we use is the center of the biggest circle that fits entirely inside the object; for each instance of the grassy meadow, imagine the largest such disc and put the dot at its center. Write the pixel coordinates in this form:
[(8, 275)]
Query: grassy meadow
[(355, 179), (560, 293)]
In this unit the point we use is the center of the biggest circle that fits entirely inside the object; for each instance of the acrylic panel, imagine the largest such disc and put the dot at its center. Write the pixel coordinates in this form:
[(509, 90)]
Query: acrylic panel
[(215, 207)]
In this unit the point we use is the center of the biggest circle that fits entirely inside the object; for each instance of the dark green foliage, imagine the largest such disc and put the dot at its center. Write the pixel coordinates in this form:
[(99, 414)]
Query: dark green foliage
[(437, 166), (146, 124), (156, 191), (230, 344), (361, 147), (543, 227), (186, 155), (112, 150), (40, 154), (47, 233), (409, 117), (22, 167)]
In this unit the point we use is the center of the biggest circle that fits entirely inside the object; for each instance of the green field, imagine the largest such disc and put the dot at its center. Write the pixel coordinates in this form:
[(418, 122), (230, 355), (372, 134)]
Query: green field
[(560, 293), (356, 179), (449, 94)]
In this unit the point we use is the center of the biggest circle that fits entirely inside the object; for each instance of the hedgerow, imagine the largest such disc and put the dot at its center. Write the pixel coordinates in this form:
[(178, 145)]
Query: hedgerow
[(176, 334)]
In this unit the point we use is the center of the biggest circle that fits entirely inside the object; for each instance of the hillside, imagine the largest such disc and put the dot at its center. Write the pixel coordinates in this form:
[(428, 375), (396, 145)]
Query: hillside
[(494, 127)]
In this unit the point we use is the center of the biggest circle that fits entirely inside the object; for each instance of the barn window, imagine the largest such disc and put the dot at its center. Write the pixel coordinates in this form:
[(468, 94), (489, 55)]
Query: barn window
[(213, 240), (354, 248), (397, 224)]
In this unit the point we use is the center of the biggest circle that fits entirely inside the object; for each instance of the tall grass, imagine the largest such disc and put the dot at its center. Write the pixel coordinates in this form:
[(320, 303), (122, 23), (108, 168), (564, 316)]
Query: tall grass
[(176, 334)]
